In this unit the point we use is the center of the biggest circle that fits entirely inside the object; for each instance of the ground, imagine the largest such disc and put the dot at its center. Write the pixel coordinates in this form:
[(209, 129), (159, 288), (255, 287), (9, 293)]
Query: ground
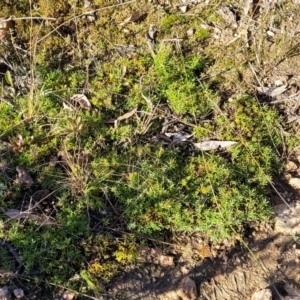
[(115, 182)]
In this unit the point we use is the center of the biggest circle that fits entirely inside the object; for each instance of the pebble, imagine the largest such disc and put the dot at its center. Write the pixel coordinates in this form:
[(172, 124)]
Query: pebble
[(190, 32), (270, 33), (290, 166), (295, 183), (264, 294), (68, 295)]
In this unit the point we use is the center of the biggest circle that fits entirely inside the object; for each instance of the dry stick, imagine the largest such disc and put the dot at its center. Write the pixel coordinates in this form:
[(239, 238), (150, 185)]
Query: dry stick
[(254, 73), (277, 192), (148, 101), (27, 18), (14, 253), (83, 14)]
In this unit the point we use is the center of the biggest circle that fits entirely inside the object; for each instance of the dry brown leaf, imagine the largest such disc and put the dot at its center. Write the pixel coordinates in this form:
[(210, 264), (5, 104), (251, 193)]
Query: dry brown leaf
[(178, 137), (272, 91), (16, 144), (123, 117), (135, 17), (77, 101), (16, 214), (68, 107), (204, 251), (5, 26), (127, 115)]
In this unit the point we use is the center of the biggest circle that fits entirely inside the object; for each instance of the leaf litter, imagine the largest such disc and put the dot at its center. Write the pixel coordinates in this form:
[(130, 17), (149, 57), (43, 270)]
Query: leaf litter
[(272, 91), (16, 214), (213, 145), (77, 101)]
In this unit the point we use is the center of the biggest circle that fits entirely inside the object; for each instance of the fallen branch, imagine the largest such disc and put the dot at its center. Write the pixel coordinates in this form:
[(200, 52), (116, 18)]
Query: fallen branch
[(27, 18), (14, 253)]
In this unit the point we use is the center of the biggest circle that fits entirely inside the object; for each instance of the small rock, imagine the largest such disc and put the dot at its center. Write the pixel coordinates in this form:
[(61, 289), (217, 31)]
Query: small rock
[(154, 252), (187, 289), (264, 294), (287, 220), (88, 6), (270, 33), (19, 293), (287, 176), (170, 295), (185, 270), (278, 82), (68, 295), (190, 32), (295, 183), (91, 18), (23, 177), (183, 8), (4, 293), (166, 261), (290, 166)]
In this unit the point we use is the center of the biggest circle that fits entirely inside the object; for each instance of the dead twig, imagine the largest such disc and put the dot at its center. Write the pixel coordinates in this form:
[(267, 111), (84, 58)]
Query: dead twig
[(148, 101), (27, 18), (14, 253)]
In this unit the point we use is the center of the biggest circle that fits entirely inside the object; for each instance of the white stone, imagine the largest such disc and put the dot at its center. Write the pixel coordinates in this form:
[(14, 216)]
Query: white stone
[(287, 220), (264, 294), (4, 293), (19, 293), (290, 166), (295, 183)]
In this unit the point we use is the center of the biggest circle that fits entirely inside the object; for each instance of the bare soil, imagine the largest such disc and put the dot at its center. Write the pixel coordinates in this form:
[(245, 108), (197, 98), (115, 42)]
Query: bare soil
[(232, 270)]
